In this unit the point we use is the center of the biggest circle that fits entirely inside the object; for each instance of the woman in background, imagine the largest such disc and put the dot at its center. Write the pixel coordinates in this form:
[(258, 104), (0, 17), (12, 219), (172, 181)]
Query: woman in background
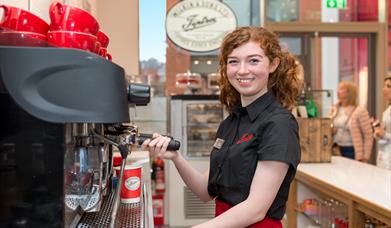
[(351, 124), (382, 130)]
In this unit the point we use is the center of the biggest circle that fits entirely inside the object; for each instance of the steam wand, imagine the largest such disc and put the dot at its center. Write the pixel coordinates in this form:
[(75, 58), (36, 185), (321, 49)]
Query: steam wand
[(132, 138), (124, 150)]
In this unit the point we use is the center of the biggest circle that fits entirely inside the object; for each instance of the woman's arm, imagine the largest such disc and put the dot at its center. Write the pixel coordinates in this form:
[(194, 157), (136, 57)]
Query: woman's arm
[(365, 122), (196, 181), (264, 187), (361, 131)]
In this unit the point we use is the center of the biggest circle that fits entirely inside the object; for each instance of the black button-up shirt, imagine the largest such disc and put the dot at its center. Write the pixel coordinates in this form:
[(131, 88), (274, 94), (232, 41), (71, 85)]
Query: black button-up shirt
[(262, 131)]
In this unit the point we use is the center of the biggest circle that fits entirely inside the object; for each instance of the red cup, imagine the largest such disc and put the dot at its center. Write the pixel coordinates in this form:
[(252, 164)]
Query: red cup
[(25, 34), (70, 18), (68, 39), (117, 160), (108, 56), (29, 39), (131, 184), (97, 47), (23, 21), (103, 52), (103, 39)]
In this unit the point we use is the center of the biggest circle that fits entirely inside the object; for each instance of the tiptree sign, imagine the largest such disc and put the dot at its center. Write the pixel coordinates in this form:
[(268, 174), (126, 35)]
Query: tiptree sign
[(199, 25)]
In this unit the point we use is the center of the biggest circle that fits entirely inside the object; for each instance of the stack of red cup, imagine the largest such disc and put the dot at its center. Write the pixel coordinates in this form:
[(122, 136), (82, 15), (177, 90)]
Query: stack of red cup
[(19, 26), (72, 27), (102, 43)]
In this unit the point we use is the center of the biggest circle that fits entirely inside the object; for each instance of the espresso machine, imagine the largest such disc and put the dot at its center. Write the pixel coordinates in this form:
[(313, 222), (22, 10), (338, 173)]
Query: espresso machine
[(63, 111)]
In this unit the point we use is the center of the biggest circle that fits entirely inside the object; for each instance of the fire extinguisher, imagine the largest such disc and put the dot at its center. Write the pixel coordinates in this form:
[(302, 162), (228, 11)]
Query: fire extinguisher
[(158, 209), (158, 197), (158, 166)]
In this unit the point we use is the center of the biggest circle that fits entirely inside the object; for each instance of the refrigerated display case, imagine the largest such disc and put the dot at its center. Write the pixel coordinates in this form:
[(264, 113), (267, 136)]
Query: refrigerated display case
[(194, 120)]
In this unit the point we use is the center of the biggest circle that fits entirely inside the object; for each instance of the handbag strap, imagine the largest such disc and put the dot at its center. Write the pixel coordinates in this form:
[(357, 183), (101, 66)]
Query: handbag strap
[(347, 120), (350, 115)]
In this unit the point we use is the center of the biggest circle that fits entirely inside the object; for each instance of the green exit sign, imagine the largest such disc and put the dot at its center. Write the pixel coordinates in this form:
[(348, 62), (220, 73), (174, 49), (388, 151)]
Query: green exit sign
[(338, 4)]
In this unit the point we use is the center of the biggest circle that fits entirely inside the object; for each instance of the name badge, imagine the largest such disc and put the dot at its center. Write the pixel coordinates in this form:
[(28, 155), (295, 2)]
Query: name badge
[(218, 143)]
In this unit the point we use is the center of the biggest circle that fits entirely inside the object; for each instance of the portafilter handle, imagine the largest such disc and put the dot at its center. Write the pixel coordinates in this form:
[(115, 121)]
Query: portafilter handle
[(172, 145)]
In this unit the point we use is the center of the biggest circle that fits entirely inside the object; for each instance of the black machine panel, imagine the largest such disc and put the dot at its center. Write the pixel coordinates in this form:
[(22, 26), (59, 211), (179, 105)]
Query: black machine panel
[(65, 85), (31, 169)]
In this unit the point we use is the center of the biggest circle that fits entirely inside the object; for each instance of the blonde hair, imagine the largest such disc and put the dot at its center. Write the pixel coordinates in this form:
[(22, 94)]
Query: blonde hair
[(351, 92)]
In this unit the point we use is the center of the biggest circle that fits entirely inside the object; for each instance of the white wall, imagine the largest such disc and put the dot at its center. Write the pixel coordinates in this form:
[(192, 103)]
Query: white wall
[(41, 7), (24, 4), (120, 21), (330, 53)]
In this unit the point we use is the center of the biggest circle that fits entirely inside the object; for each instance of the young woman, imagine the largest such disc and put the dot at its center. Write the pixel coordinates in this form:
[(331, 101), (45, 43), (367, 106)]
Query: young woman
[(352, 124), (382, 130), (256, 152)]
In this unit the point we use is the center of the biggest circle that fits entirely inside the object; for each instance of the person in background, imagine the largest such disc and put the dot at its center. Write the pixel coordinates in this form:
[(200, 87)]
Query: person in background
[(351, 124), (257, 150), (382, 130)]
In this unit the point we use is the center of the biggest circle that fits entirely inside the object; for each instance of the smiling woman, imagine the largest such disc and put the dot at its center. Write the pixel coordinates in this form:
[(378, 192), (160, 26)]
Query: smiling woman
[(248, 69), (257, 143), (256, 53)]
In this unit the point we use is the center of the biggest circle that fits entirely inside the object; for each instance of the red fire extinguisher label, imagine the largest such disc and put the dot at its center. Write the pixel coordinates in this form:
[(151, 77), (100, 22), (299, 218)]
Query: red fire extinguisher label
[(160, 181), (158, 209)]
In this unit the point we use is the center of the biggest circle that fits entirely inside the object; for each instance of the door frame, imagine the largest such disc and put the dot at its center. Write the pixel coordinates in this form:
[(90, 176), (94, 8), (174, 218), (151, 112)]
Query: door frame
[(378, 35)]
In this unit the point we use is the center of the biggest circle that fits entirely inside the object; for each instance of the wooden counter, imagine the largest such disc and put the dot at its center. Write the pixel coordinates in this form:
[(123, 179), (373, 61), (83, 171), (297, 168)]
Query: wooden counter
[(364, 188)]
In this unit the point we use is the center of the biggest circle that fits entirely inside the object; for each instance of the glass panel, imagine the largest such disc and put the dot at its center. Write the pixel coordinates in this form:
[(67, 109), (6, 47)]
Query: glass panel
[(282, 10), (330, 11), (360, 10), (293, 44), (345, 59), (327, 60), (298, 44), (202, 123), (152, 47), (247, 12)]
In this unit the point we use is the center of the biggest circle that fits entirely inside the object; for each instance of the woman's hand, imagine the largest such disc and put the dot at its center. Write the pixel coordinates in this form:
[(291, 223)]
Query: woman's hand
[(379, 130), (158, 146), (333, 130)]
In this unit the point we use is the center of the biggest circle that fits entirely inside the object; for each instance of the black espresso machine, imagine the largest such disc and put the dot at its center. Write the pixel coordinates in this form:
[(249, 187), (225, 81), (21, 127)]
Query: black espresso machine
[(62, 110)]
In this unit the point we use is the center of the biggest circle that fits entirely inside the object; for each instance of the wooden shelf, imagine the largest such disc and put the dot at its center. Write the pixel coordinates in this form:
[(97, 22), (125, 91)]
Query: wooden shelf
[(362, 187)]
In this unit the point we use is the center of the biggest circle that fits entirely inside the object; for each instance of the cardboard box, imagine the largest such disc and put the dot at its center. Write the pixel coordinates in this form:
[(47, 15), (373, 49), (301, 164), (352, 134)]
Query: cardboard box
[(316, 139)]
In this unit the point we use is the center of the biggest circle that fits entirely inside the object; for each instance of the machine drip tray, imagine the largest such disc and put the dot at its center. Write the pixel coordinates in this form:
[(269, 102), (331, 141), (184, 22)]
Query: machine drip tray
[(129, 215)]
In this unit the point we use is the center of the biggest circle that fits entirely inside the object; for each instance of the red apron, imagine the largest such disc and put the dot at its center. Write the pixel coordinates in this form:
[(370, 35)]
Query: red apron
[(265, 223)]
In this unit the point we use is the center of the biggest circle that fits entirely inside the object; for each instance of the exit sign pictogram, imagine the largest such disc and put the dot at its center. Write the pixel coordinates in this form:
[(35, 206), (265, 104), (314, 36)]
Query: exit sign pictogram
[(338, 4)]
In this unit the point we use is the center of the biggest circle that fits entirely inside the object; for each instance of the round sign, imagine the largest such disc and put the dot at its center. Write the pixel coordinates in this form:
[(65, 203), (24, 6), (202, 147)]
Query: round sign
[(199, 25)]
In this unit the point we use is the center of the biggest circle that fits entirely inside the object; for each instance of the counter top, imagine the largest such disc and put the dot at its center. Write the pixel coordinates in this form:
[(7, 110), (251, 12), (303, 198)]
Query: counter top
[(361, 180)]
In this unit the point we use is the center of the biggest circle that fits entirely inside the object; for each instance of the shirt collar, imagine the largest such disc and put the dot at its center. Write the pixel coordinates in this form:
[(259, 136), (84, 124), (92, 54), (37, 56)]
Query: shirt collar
[(256, 107), (239, 111), (259, 105)]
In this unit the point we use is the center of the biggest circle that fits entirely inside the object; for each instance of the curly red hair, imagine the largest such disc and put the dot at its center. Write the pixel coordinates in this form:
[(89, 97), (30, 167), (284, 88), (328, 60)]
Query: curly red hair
[(283, 82)]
